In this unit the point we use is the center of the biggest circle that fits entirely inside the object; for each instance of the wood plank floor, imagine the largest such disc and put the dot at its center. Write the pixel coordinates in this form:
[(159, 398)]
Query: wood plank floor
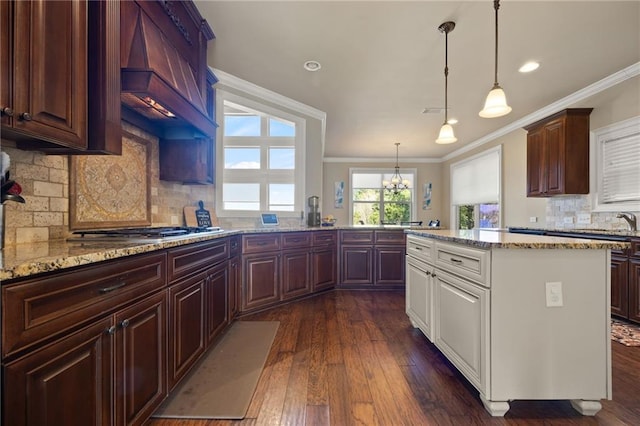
[(352, 358)]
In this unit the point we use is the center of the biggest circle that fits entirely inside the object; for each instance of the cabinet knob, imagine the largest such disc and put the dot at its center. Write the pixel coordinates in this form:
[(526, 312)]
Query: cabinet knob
[(124, 323), (428, 273), (111, 330), (433, 274), (7, 111), (25, 116)]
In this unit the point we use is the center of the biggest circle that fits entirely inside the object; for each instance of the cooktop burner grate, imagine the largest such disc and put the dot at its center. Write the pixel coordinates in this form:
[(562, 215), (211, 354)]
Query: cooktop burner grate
[(140, 234)]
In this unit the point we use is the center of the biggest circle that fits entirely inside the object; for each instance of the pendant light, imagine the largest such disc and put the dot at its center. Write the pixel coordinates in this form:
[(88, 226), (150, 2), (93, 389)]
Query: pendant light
[(496, 103), (446, 131), (397, 183)]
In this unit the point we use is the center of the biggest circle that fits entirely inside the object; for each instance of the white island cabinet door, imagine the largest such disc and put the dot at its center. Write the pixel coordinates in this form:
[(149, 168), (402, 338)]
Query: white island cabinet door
[(419, 295), (461, 326)]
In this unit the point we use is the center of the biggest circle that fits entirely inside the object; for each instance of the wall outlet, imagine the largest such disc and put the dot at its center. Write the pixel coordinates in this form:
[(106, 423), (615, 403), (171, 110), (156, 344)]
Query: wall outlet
[(584, 218), (568, 219), (533, 219), (554, 294)]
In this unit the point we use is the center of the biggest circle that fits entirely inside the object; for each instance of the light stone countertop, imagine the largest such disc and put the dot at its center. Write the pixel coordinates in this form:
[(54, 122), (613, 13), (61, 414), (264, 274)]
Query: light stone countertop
[(24, 260), (501, 238)]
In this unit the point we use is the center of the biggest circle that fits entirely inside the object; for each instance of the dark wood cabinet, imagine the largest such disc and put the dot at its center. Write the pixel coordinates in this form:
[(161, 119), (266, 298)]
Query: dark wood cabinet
[(558, 154), (141, 361), (295, 273), (372, 258), (67, 382), (187, 160), (625, 282), (634, 281), (323, 260), (234, 287), (261, 280), (52, 52), (217, 299)]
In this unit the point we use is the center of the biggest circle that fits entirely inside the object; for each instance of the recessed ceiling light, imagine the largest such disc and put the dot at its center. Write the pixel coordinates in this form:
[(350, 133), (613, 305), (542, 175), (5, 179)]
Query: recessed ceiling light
[(529, 66), (312, 66)]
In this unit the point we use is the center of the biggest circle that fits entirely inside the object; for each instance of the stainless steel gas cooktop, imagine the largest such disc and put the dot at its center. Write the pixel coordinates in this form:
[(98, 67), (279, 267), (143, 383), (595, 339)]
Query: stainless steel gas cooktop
[(141, 235)]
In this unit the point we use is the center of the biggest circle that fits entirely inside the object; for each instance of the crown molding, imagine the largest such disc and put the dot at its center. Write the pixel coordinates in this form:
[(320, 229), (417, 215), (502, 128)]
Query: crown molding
[(379, 160)]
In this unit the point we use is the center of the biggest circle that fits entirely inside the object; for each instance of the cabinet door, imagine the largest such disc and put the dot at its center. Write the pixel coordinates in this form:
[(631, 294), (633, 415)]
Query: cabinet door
[(554, 158), (186, 325), (389, 263), (356, 265), (68, 382), (261, 280), (50, 71), (216, 301), (634, 289), (461, 326), (141, 348), (187, 160), (620, 286), (323, 269), (535, 163), (295, 274), (234, 287), (6, 60), (419, 296)]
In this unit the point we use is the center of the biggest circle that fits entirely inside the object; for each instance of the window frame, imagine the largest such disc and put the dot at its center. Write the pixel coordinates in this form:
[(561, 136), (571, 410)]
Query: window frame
[(264, 176), (382, 172), (454, 214), (625, 128)]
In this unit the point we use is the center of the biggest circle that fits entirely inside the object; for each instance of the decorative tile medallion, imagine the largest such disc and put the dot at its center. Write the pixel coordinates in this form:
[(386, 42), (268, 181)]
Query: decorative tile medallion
[(111, 191)]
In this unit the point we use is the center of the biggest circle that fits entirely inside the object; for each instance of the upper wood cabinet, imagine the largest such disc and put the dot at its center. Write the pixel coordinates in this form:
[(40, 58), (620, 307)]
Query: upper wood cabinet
[(558, 154), (51, 53)]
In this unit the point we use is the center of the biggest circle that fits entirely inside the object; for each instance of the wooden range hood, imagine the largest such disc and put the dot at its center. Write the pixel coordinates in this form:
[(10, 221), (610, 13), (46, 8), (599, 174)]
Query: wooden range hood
[(164, 72)]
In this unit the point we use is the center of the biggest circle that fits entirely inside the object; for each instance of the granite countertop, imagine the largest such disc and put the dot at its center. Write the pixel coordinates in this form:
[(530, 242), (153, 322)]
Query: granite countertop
[(24, 260), (598, 231), (500, 238)]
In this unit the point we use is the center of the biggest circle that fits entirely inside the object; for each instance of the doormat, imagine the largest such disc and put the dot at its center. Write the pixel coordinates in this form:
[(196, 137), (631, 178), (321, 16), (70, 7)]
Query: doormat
[(625, 333), (222, 384)]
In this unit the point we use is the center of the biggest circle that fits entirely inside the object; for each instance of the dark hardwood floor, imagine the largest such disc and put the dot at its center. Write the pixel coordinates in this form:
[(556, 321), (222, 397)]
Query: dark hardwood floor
[(352, 358)]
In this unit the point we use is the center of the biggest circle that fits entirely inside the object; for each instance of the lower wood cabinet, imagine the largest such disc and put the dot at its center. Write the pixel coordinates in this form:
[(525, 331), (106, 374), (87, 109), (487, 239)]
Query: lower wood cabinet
[(625, 282), (217, 307), (295, 273), (356, 265), (261, 278), (110, 372), (234, 287)]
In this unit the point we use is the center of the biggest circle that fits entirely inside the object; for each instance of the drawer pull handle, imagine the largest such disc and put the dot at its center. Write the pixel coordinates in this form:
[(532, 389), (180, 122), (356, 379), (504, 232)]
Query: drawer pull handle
[(296, 240), (454, 260), (111, 330), (124, 323), (25, 116), (112, 288), (262, 243), (418, 248)]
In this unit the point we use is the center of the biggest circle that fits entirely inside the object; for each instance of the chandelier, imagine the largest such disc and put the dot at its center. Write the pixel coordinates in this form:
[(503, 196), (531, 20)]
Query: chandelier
[(397, 183)]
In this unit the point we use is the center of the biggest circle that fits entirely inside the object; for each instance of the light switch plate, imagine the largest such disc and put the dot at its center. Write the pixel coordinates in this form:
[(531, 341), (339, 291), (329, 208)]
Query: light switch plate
[(584, 218), (554, 294)]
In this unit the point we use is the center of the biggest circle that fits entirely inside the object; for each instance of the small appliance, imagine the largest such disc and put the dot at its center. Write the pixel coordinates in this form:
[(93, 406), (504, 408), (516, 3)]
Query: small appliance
[(313, 217)]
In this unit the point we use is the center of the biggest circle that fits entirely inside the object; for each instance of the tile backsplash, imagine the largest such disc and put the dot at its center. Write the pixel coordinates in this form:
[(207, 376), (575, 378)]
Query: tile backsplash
[(574, 212), (45, 187)]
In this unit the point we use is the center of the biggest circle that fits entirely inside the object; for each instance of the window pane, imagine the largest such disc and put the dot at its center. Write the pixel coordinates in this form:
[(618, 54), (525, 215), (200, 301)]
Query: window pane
[(403, 195), (489, 216), (366, 195), (241, 125), (242, 158), (366, 213), (281, 128), (281, 196), (366, 180), (397, 212), (241, 196), (282, 158), (465, 217)]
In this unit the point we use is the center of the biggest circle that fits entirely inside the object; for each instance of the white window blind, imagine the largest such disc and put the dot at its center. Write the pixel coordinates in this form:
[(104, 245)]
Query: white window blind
[(476, 180), (621, 169)]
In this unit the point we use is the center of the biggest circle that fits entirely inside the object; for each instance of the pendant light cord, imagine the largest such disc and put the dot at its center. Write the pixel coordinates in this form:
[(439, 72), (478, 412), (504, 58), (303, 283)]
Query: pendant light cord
[(496, 6), (446, 75)]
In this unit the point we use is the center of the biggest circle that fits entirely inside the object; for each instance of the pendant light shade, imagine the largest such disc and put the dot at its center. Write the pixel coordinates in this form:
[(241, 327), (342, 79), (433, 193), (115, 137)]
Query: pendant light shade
[(496, 103), (446, 131)]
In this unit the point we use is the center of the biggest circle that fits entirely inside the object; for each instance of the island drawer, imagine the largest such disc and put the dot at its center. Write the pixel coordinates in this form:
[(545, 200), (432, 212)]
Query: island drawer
[(42, 308), (420, 248), (296, 240), (356, 237), (389, 237), (261, 242), (192, 258), (467, 262), (324, 238)]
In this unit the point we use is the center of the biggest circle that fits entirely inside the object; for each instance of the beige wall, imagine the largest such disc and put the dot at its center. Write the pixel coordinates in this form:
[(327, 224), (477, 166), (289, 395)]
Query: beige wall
[(426, 172)]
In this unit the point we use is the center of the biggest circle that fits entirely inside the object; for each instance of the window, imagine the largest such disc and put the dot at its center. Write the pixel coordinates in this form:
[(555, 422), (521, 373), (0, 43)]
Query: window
[(373, 205), (475, 191), (617, 171), (261, 158)]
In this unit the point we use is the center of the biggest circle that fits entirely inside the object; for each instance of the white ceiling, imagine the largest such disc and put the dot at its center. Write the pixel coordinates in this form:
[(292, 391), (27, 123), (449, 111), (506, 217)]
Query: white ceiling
[(383, 62)]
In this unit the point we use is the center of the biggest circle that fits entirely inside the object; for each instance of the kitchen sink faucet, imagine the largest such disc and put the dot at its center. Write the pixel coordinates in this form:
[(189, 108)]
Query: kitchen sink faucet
[(630, 218)]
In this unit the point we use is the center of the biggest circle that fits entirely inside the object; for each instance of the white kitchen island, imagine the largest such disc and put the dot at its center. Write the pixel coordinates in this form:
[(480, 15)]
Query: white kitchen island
[(521, 316)]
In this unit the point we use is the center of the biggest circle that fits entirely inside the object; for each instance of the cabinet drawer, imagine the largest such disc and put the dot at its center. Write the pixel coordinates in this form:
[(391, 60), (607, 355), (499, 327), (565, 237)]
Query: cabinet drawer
[(195, 257), (260, 243), (635, 247), (420, 248), (463, 261), (355, 237), (39, 309), (324, 238), (389, 237), (296, 239)]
